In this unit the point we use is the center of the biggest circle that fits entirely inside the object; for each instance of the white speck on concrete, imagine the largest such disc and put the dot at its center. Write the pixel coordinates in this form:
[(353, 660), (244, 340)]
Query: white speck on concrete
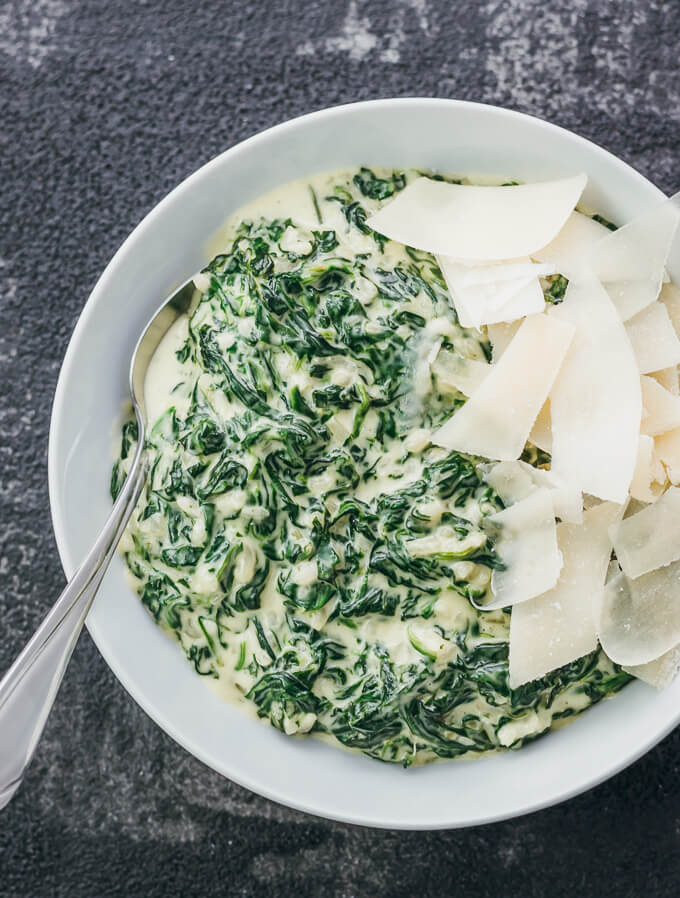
[(358, 36), (305, 49), (356, 39), (390, 55), (27, 28), (421, 8)]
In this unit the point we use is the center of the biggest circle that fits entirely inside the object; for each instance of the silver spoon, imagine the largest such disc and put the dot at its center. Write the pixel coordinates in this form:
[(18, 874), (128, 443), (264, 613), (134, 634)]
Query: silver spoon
[(28, 689)]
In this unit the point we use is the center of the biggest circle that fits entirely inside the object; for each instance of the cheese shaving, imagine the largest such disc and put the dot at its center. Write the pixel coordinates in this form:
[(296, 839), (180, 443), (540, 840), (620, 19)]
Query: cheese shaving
[(458, 373), (595, 403), (501, 335), (479, 299), (527, 545), (477, 274), (639, 620), (668, 378), (653, 338), (649, 539), (667, 450), (661, 409), (567, 498), (541, 432), (528, 299), (495, 422), (659, 673), (558, 626), (670, 297), (515, 480), (569, 250), (511, 480), (478, 223), (649, 476), (630, 261)]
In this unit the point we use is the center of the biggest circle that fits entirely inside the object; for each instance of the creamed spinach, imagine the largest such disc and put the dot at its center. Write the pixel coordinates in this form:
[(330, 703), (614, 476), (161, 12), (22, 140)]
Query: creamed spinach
[(309, 548)]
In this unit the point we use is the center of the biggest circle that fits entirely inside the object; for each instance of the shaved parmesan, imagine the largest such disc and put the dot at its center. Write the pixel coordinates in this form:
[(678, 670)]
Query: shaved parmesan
[(659, 673), (479, 299), (667, 449), (501, 335), (630, 261), (595, 403), (649, 539), (654, 341), (661, 409), (668, 378), (515, 480), (649, 477), (558, 626), (593, 502), (527, 300), (630, 297), (568, 251), (633, 506), (541, 432), (495, 422), (492, 273), (459, 373), (567, 499), (511, 480), (670, 297), (527, 545), (639, 620), (478, 223)]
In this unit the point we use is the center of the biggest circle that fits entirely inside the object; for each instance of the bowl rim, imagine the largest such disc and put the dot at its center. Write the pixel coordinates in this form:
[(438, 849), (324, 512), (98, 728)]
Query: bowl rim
[(281, 795)]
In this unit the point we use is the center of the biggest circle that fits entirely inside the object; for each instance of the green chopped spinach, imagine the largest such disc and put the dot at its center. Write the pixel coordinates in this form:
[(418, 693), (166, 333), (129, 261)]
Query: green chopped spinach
[(291, 538)]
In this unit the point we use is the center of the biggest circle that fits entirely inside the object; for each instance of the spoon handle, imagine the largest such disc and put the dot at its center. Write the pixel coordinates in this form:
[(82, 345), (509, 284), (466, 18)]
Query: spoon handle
[(28, 689)]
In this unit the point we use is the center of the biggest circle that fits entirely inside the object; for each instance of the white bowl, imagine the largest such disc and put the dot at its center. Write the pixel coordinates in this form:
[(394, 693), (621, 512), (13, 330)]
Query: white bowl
[(165, 249)]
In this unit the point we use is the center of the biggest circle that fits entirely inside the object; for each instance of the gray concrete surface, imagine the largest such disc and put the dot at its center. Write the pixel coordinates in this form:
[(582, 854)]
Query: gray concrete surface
[(104, 107)]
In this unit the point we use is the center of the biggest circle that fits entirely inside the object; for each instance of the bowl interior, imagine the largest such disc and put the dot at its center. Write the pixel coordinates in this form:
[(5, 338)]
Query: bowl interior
[(170, 245)]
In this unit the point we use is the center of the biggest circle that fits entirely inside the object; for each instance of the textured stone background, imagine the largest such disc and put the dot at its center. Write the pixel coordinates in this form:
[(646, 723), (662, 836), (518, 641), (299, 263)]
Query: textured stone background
[(104, 108)]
